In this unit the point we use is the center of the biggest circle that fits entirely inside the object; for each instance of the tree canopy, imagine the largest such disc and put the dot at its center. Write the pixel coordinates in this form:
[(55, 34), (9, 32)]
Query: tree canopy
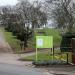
[(63, 14), (22, 19)]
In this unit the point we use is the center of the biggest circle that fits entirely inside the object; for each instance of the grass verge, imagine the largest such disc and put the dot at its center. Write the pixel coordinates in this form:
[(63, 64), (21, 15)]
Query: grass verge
[(46, 32), (46, 57), (12, 40)]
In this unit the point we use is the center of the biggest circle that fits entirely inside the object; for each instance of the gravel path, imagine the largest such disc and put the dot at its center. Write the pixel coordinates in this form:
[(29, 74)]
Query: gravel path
[(4, 46), (6, 54)]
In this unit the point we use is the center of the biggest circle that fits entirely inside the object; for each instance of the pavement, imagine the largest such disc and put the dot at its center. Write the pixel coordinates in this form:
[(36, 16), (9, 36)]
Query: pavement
[(61, 70), (6, 54), (6, 69)]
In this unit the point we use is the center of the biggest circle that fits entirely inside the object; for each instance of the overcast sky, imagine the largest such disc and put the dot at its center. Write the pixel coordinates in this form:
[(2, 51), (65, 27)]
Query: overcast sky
[(9, 2)]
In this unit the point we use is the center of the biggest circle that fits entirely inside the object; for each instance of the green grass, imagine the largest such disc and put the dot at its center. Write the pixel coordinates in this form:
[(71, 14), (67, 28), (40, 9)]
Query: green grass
[(13, 42), (41, 56), (46, 56), (47, 32)]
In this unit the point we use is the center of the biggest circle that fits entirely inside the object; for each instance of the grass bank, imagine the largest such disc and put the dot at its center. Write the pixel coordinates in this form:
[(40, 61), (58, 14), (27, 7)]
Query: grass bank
[(46, 32), (12, 40), (46, 56), (15, 43)]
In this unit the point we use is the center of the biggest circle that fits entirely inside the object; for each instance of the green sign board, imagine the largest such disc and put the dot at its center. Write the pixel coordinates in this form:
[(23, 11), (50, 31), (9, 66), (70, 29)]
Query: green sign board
[(44, 41)]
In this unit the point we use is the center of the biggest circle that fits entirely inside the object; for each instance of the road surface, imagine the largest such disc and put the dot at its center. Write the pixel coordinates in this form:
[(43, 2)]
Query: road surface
[(6, 69)]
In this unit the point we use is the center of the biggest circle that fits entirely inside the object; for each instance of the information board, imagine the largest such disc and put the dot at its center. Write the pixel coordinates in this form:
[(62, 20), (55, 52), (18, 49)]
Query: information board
[(44, 41)]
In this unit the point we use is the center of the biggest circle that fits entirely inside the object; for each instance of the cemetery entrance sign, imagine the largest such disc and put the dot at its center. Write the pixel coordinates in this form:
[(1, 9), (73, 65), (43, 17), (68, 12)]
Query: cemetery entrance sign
[(44, 42)]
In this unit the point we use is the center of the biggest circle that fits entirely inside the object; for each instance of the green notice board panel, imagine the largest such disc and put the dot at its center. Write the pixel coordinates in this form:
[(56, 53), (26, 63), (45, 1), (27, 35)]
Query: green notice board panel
[(44, 41)]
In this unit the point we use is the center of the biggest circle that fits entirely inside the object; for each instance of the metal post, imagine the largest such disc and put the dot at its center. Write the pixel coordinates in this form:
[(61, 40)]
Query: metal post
[(53, 52), (36, 55), (52, 55), (67, 58)]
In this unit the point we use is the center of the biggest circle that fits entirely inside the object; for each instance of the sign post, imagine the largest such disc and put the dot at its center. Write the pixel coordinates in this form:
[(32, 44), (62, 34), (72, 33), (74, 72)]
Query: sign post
[(44, 42), (36, 55)]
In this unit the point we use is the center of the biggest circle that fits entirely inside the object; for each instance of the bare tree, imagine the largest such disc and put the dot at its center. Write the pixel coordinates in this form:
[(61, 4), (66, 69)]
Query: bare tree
[(63, 14), (18, 19), (32, 14)]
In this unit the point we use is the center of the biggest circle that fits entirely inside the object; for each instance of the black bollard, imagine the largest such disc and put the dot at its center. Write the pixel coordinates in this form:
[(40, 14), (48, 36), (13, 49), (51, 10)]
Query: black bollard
[(67, 59)]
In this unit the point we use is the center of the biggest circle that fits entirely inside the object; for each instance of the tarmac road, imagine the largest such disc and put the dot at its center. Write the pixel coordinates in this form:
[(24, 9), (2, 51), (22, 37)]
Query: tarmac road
[(7, 69)]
